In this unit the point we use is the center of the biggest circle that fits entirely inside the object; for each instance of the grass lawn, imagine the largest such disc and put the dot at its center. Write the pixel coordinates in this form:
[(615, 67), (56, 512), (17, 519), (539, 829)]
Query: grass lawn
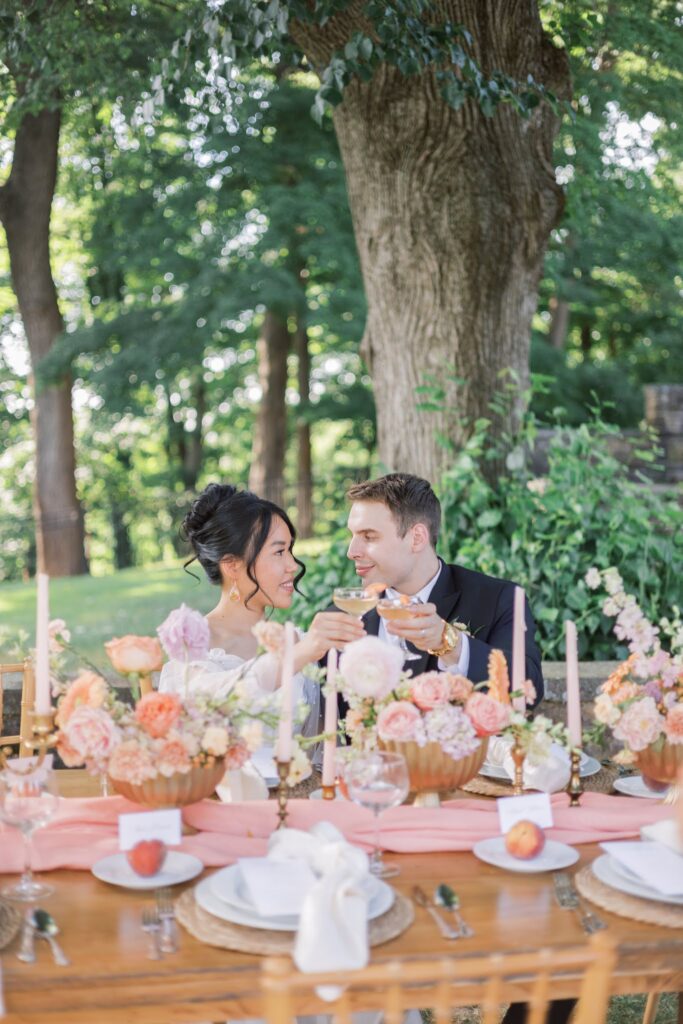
[(97, 608)]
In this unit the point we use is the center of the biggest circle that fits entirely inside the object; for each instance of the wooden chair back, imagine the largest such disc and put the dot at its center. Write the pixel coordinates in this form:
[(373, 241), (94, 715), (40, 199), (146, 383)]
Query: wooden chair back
[(28, 696), (441, 984)]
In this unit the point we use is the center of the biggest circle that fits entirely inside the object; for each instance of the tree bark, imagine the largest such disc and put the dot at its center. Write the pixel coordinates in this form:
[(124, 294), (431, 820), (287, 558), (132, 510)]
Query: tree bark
[(266, 476), (304, 493), (559, 324), (452, 212), (25, 207)]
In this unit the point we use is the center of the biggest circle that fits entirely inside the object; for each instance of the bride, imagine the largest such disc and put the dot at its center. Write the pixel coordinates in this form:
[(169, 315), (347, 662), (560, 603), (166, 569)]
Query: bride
[(245, 544)]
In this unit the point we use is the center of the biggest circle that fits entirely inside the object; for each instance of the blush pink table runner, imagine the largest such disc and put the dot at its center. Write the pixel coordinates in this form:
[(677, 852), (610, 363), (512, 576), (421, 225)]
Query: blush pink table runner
[(87, 829)]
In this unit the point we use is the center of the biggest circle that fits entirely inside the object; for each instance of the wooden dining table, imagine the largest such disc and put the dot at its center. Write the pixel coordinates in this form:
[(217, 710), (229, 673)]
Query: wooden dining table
[(111, 980)]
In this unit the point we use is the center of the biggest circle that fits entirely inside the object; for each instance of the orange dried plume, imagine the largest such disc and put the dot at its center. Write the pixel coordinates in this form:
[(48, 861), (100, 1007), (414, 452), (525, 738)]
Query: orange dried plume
[(499, 681)]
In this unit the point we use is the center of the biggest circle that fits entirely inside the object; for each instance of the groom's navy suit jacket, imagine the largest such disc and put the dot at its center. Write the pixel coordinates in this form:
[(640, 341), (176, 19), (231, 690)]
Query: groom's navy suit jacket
[(485, 606)]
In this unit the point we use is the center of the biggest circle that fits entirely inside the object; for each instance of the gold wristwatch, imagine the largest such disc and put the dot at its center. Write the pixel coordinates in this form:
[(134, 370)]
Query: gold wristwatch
[(449, 638)]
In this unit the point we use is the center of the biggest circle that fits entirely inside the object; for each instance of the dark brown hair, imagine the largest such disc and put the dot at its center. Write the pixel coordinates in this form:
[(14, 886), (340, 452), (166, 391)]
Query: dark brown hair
[(410, 500)]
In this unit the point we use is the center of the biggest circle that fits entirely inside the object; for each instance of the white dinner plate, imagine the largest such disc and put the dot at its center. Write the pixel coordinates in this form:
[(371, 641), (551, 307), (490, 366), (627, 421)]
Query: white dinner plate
[(178, 867), (609, 871), (589, 766), (633, 785), (552, 857), (380, 900)]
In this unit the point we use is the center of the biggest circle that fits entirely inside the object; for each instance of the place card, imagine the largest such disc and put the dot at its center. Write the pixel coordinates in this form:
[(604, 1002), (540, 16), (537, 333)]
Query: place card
[(39, 773), (530, 807), (162, 825), (655, 864), (276, 887)]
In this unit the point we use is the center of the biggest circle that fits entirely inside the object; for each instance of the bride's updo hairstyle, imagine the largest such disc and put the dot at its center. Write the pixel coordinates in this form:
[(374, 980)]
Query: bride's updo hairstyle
[(225, 521)]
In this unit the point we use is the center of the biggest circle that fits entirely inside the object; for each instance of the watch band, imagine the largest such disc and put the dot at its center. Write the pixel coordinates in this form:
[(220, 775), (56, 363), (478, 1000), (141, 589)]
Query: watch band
[(449, 638)]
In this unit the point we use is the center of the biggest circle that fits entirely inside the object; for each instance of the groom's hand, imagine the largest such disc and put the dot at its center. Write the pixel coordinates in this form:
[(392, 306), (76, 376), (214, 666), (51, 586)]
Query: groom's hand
[(423, 630), (334, 629)]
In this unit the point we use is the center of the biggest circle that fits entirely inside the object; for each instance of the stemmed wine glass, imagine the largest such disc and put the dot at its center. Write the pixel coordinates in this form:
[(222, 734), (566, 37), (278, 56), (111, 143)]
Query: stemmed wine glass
[(378, 780), (401, 607), (354, 600), (27, 802)]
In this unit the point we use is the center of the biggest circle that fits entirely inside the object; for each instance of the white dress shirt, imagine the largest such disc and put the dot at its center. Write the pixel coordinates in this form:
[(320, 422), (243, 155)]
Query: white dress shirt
[(423, 596)]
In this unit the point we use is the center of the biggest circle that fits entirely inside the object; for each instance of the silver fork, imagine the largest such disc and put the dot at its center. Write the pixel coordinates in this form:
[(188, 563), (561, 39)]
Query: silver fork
[(151, 924), (169, 929), (569, 899)]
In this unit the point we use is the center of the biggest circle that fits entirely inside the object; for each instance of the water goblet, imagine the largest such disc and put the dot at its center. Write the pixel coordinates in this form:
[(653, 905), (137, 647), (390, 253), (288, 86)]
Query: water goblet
[(26, 803), (394, 609), (378, 780)]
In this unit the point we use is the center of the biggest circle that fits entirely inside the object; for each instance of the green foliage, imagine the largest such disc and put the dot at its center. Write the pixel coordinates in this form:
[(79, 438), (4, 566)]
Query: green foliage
[(545, 534)]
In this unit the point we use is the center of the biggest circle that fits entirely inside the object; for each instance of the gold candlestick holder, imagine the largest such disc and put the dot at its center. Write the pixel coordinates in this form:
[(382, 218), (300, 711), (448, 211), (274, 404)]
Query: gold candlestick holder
[(329, 792), (43, 736), (283, 772), (575, 786), (518, 756)]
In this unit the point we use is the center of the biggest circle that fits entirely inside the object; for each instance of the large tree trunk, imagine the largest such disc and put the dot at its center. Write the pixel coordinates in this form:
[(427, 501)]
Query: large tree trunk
[(270, 433), (452, 212), (25, 206), (304, 492)]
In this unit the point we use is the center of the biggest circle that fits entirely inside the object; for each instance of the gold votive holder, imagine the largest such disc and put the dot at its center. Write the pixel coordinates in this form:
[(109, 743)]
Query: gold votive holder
[(282, 772), (518, 756)]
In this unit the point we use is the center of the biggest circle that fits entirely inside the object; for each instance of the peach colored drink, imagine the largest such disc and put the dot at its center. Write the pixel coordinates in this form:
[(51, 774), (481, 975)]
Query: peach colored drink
[(355, 602)]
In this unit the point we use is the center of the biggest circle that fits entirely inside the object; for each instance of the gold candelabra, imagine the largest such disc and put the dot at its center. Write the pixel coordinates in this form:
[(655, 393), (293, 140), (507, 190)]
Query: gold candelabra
[(518, 756), (575, 786), (329, 792), (43, 736), (283, 772)]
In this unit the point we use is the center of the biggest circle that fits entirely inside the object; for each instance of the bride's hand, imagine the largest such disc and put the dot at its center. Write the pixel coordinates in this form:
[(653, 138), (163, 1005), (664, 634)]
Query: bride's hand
[(328, 629)]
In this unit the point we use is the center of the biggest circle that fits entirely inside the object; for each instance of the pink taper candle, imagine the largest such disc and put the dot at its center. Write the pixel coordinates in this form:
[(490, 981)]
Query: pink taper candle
[(330, 745), (284, 734), (518, 650), (573, 689), (43, 702)]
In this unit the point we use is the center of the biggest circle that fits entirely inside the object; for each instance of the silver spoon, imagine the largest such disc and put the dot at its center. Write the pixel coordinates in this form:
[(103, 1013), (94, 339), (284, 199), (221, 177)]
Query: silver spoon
[(446, 897), (46, 927)]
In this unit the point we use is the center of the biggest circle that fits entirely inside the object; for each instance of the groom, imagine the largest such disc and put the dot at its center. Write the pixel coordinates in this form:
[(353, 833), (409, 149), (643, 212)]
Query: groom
[(394, 523)]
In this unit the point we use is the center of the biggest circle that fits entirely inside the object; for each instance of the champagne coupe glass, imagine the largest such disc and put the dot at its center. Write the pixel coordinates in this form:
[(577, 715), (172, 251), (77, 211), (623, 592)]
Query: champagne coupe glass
[(26, 803), (378, 780), (354, 600), (394, 609)]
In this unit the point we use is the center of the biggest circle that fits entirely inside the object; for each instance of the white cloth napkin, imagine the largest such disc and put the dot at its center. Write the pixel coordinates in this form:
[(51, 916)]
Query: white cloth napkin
[(242, 784), (658, 866), (547, 776), (333, 925), (665, 832)]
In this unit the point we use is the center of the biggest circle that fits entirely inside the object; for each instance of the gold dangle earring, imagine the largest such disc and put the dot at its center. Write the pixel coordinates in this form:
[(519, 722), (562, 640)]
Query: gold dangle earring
[(234, 593)]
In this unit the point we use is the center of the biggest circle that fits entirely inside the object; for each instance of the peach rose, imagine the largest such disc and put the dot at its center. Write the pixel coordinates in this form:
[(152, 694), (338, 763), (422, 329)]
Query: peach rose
[(488, 716), (131, 763), (158, 712), (91, 733), (353, 720), (673, 724), (430, 690), (173, 757), (237, 755), (270, 636), (398, 721), (70, 757), (461, 687), (88, 690), (130, 653)]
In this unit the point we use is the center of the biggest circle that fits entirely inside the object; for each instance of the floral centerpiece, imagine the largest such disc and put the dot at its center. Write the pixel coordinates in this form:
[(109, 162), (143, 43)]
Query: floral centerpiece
[(642, 701), (168, 748), (440, 721)]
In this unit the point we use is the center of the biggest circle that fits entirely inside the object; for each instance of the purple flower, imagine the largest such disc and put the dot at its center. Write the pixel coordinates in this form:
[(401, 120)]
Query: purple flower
[(184, 634), (653, 689)]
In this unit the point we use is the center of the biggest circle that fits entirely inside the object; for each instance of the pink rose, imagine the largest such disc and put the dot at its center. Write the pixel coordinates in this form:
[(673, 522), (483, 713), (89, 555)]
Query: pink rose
[(461, 687), (185, 634), (640, 725), (398, 721), (236, 755), (91, 733), (430, 690), (57, 632), (488, 716), (673, 724), (132, 763), (370, 668), (173, 757), (129, 653)]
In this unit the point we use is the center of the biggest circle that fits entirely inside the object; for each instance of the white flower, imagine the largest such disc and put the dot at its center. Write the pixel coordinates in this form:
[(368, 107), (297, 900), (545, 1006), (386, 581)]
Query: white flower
[(370, 667), (252, 734), (605, 710), (299, 767), (592, 578), (215, 740), (613, 581), (539, 746)]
